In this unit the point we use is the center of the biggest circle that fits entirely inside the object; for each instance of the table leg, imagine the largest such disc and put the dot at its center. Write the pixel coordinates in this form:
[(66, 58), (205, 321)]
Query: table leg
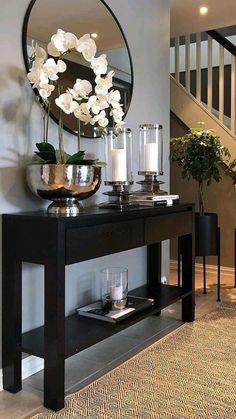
[(179, 261), (11, 318), (188, 281), (154, 264), (235, 257), (204, 274), (218, 270), (54, 335)]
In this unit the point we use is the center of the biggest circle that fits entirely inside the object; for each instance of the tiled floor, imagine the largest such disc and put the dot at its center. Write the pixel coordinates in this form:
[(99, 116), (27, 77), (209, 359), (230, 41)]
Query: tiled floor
[(95, 361)]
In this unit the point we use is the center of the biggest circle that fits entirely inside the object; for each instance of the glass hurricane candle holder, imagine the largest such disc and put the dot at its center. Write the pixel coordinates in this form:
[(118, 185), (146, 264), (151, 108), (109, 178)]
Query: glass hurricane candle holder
[(118, 172), (150, 149), (150, 163), (118, 154), (114, 287)]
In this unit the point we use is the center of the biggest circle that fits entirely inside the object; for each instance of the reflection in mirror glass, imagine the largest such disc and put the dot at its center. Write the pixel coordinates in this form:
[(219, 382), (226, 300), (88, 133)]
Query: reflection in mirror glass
[(79, 17)]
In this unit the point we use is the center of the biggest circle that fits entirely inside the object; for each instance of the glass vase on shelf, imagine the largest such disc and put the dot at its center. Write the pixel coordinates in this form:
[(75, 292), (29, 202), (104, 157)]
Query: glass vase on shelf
[(118, 171), (114, 287)]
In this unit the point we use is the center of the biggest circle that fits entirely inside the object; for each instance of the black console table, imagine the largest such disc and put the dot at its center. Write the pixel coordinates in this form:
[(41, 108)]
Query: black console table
[(57, 241)]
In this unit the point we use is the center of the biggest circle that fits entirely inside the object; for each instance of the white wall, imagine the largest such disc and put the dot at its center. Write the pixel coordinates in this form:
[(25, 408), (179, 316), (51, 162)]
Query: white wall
[(147, 30)]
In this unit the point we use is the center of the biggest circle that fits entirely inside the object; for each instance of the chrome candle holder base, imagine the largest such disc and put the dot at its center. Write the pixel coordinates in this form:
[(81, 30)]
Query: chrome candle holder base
[(119, 197), (150, 185), (151, 194)]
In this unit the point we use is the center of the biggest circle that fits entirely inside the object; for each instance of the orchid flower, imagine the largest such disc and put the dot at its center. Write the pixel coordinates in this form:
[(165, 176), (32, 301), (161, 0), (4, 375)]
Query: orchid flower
[(45, 90), (39, 54), (62, 42), (103, 84), (34, 75), (66, 103), (82, 113), (81, 89), (99, 65), (86, 46), (89, 103), (114, 98), (51, 68), (117, 114), (101, 119)]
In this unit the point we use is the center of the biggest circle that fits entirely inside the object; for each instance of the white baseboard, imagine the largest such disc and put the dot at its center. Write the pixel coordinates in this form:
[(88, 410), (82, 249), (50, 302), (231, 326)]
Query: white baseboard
[(30, 365), (225, 270)]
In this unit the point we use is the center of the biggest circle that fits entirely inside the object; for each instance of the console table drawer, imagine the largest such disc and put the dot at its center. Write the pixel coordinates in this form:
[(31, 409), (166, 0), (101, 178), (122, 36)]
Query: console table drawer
[(165, 226), (99, 240)]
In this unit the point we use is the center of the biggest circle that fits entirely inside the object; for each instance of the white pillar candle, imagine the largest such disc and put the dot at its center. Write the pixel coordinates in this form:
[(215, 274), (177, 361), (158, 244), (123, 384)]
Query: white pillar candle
[(118, 161), (117, 293), (150, 157)]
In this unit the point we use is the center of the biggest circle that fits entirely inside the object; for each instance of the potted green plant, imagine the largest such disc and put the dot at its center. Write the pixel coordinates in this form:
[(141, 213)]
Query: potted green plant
[(53, 173), (231, 170), (199, 154)]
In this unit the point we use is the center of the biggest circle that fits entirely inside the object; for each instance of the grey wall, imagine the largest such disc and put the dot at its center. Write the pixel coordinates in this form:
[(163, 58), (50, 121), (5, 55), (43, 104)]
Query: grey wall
[(220, 198), (146, 25)]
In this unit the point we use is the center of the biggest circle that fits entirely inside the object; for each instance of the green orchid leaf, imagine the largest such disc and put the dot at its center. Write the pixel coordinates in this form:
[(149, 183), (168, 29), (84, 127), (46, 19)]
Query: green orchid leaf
[(76, 158), (45, 147), (98, 163), (46, 152), (47, 157)]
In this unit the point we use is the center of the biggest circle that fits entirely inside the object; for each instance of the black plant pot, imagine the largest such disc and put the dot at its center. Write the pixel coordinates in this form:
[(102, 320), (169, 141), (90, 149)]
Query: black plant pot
[(206, 231)]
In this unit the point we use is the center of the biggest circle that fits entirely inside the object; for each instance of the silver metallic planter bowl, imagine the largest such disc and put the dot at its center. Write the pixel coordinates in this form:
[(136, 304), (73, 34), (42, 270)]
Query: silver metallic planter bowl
[(64, 184)]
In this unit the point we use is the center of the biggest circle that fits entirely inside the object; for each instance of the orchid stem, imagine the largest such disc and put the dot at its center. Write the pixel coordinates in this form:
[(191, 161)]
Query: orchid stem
[(44, 127), (60, 135), (60, 132), (78, 136), (47, 119)]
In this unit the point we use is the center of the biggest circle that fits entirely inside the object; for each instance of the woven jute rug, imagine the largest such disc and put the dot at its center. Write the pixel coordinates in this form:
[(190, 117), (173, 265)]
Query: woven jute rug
[(191, 373)]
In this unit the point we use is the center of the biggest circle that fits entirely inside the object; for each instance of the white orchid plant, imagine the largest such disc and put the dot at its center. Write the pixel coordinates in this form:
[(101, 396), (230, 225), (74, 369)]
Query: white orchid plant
[(88, 105)]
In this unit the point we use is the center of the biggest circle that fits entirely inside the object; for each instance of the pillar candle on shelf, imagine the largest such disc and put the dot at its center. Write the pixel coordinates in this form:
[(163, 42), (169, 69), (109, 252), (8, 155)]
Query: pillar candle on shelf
[(150, 157), (118, 161), (116, 293)]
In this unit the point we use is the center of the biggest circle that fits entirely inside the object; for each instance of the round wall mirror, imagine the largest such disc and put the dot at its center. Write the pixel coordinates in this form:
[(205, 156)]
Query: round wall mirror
[(42, 20)]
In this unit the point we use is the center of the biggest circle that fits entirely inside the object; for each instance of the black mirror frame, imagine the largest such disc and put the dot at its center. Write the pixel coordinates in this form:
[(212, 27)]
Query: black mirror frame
[(25, 55)]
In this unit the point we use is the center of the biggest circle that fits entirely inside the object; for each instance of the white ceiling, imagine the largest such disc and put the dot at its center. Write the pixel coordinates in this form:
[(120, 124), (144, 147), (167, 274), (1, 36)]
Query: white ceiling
[(185, 16), (76, 16), (83, 16)]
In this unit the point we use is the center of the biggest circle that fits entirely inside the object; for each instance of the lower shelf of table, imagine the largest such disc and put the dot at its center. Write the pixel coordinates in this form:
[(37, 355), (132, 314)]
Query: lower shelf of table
[(82, 332)]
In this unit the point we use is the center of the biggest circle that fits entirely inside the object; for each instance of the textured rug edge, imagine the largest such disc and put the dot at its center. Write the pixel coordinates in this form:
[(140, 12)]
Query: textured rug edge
[(39, 414)]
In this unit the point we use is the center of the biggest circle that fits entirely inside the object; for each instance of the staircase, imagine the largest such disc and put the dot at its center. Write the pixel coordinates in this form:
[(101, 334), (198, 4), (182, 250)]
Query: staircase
[(203, 83)]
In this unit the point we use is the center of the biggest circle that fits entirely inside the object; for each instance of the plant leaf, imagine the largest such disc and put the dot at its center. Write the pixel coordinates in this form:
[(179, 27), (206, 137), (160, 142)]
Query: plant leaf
[(46, 152), (45, 147), (76, 158), (98, 163)]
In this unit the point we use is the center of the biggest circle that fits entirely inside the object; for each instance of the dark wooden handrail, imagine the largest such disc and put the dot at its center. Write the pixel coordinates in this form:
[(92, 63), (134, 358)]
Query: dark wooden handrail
[(223, 41)]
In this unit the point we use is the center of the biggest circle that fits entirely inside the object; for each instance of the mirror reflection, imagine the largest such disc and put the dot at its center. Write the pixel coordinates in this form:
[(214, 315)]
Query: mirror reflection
[(79, 17)]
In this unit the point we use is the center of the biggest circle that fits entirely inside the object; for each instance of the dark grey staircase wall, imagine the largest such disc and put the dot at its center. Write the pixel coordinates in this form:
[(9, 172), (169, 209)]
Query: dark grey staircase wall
[(220, 198), (215, 88)]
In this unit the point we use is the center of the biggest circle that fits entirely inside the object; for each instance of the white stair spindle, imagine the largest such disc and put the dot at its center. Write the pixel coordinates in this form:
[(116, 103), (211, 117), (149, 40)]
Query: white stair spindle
[(221, 84), (233, 95), (187, 63), (177, 59), (209, 74), (198, 66)]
